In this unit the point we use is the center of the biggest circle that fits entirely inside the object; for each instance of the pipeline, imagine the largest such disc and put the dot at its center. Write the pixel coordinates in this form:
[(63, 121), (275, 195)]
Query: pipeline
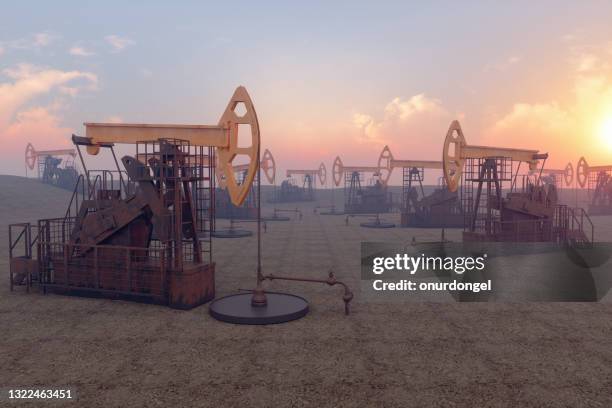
[(331, 281)]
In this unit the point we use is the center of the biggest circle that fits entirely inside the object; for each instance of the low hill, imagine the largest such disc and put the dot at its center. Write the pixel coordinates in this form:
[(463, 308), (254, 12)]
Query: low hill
[(26, 199)]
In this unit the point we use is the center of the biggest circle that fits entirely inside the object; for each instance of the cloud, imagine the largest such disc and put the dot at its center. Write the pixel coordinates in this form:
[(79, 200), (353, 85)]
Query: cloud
[(1, 50), (401, 117), (412, 127), (38, 125), (587, 62), (80, 51), (118, 43), (405, 109), (566, 129), (568, 37), (547, 127), (504, 65), (533, 124), (42, 39), (367, 124), (33, 41), (25, 118), (29, 81)]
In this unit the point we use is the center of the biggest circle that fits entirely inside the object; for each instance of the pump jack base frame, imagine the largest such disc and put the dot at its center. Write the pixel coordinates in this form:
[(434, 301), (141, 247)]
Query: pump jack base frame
[(332, 212), (377, 224), (275, 218), (237, 309), (231, 233)]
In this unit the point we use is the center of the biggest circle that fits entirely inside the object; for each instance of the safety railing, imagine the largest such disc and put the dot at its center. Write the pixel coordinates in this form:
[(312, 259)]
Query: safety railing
[(579, 220), (21, 245), (121, 270), (74, 199), (540, 230), (111, 182)]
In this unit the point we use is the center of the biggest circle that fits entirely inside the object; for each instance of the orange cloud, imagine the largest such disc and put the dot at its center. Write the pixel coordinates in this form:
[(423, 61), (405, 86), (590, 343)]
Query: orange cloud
[(30, 82), (118, 43), (33, 41), (22, 121), (36, 125), (535, 121), (569, 130), (413, 128), (400, 118), (80, 51)]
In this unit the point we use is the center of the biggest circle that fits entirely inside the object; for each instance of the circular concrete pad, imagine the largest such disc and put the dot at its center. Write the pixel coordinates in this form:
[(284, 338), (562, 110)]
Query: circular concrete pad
[(237, 309), (231, 233)]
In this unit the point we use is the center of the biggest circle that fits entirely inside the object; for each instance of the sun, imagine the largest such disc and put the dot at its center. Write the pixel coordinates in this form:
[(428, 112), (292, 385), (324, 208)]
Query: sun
[(605, 132)]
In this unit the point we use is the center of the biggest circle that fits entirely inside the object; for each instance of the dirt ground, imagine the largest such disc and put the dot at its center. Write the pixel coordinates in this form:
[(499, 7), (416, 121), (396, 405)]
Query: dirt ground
[(120, 354)]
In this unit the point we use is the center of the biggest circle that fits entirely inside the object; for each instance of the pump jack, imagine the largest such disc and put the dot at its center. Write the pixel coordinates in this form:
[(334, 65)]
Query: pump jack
[(55, 167), (531, 214), (440, 209), (598, 180), (290, 191), (358, 199), (152, 244)]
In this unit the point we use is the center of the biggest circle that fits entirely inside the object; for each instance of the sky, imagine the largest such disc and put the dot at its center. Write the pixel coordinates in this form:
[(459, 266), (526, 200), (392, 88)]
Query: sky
[(326, 78)]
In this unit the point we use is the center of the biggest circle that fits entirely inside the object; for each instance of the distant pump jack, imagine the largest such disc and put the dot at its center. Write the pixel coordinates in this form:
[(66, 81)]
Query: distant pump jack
[(598, 181), (440, 209)]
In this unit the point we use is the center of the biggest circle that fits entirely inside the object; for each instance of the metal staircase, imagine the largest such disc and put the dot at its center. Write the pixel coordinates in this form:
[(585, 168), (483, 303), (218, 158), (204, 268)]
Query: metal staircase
[(573, 227)]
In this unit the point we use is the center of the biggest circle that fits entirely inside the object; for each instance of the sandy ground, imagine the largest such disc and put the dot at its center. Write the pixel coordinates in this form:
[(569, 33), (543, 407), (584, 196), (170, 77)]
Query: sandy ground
[(119, 354)]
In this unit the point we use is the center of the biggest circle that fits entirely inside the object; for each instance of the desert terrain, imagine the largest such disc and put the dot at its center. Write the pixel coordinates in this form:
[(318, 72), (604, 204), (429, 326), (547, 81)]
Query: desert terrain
[(391, 354)]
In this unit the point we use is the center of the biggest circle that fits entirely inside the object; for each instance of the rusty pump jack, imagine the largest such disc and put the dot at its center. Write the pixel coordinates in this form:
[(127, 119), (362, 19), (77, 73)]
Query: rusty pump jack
[(440, 209), (598, 180), (358, 199), (529, 215), (153, 244), (290, 191), (310, 176), (556, 177), (373, 199), (55, 167)]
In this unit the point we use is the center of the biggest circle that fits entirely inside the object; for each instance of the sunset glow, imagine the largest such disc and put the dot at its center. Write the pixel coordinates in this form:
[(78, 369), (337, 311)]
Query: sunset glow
[(329, 81), (605, 132)]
